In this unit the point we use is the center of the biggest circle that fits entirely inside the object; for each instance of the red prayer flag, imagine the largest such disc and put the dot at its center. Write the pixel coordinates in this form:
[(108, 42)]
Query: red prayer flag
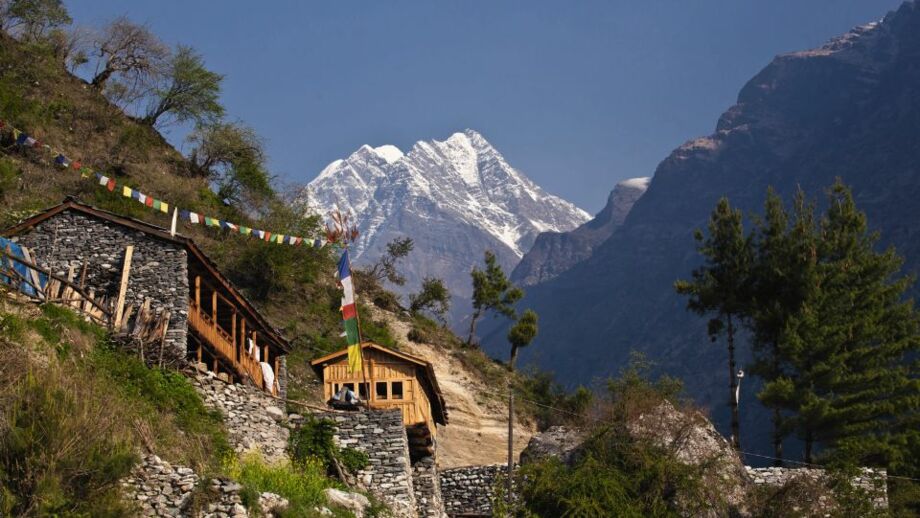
[(111, 185)]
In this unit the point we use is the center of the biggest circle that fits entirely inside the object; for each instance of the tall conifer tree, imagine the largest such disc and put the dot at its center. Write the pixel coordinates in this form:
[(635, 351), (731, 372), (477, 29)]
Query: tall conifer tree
[(783, 278), (855, 345), (722, 287)]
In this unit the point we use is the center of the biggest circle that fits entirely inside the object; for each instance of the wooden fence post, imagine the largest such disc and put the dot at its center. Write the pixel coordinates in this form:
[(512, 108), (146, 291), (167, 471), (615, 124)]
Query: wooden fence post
[(123, 287)]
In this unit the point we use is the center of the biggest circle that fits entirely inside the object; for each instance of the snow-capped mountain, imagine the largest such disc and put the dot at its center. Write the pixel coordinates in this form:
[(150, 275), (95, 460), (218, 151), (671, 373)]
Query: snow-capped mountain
[(455, 198)]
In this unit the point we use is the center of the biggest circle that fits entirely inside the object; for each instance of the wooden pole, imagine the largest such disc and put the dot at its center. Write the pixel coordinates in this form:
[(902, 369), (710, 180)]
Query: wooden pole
[(198, 292), (123, 287), (214, 307), (358, 318), (236, 346)]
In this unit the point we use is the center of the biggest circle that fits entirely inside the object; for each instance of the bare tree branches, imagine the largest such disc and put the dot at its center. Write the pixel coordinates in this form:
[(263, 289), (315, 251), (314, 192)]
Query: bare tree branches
[(129, 49)]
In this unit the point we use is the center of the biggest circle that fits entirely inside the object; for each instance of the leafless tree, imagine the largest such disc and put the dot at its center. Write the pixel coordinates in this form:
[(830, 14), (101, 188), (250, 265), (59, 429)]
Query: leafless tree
[(128, 49), (72, 45)]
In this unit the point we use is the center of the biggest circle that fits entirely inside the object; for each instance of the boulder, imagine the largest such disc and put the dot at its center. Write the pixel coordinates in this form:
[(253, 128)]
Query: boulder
[(693, 440), (557, 441), (354, 502)]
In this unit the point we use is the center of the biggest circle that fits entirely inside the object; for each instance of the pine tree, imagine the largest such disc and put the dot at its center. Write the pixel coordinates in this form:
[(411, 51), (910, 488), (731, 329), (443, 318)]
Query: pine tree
[(492, 291), (783, 275), (855, 345), (722, 287), (865, 382)]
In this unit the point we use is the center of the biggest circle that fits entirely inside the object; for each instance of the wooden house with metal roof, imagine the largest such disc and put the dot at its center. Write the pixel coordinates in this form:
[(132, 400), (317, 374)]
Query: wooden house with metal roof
[(211, 322), (390, 379)]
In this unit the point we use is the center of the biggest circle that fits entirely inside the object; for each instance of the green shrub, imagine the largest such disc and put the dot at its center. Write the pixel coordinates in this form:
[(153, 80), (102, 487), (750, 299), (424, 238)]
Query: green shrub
[(353, 460), (313, 440), (301, 483), (12, 326), (58, 454)]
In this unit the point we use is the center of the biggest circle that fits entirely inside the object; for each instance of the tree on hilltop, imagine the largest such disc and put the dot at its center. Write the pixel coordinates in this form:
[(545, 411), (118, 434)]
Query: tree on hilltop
[(492, 291), (190, 92)]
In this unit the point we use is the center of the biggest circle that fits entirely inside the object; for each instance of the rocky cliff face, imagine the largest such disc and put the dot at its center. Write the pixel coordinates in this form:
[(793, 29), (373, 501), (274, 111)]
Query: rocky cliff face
[(455, 198), (555, 252), (850, 109)]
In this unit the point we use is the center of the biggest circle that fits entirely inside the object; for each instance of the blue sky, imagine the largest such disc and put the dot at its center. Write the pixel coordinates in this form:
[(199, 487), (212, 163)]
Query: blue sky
[(577, 95)]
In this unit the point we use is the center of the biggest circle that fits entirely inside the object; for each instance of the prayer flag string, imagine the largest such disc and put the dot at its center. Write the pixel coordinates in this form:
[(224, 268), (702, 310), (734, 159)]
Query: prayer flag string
[(22, 139)]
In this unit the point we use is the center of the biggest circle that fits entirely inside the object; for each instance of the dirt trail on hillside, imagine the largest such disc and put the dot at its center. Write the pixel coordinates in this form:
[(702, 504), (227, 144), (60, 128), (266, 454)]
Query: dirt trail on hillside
[(477, 429)]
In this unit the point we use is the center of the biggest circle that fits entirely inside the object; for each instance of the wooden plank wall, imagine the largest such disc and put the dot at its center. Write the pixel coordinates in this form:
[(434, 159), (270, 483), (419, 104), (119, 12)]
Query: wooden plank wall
[(415, 406)]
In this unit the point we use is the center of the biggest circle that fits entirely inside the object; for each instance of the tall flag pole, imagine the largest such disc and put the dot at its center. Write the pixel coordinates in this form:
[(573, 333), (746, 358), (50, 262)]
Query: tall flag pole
[(350, 315)]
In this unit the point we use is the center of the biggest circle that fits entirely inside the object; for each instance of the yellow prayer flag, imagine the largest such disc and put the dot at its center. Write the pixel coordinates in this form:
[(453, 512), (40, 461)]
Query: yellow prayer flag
[(354, 358), (164, 207), (126, 191)]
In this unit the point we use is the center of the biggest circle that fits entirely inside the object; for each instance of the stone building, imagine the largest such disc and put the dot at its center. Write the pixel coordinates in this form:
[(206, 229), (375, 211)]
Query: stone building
[(210, 321)]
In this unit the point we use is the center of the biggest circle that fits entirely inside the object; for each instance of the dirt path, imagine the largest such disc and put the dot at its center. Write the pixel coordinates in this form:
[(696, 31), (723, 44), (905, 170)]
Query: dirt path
[(477, 429)]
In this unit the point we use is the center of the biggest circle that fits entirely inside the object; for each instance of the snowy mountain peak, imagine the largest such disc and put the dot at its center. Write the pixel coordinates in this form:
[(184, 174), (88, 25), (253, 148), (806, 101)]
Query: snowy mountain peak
[(456, 198), (389, 153)]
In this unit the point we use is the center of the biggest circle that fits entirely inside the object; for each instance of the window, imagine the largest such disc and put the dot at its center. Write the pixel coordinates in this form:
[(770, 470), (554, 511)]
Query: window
[(381, 389), (363, 390), (397, 390), (335, 388), (349, 386)]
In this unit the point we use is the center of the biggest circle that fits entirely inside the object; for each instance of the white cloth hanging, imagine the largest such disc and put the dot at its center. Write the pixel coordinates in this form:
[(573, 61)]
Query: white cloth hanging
[(253, 351), (268, 376)]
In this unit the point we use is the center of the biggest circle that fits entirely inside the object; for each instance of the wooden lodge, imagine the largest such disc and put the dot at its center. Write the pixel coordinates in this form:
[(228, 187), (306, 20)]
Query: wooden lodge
[(390, 379), (140, 265)]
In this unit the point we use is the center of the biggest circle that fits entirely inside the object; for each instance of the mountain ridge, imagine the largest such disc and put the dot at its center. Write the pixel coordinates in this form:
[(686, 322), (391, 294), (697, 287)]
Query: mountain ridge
[(555, 252), (848, 109), (455, 198)]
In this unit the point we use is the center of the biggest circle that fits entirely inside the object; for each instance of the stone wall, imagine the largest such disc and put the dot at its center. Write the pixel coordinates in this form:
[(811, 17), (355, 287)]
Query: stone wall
[(382, 436), (468, 490), (159, 268), (427, 486), (254, 420), (873, 481), (281, 376), (159, 489)]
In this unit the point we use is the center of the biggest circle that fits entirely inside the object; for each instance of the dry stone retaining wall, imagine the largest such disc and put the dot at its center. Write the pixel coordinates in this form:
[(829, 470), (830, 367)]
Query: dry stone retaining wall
[(382, 436), (468, 490), (159, 268), (427, 488), (253, 419), (873, 481), (162, 490)]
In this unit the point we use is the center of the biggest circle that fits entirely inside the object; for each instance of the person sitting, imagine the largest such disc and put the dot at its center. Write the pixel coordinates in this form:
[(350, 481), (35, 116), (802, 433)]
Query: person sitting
[(345, 397)]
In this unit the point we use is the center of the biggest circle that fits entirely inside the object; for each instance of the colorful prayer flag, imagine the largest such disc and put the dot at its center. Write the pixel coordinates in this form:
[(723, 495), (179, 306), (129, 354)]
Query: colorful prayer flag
[(164, 207), (127, 191), (350, 315)]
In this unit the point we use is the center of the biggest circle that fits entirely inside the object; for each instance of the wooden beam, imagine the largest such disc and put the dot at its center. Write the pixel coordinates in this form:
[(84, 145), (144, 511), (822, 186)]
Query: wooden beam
[(243, 335), (33, 275), (198, 292), (123, 287), (214, 307), (236, 346)]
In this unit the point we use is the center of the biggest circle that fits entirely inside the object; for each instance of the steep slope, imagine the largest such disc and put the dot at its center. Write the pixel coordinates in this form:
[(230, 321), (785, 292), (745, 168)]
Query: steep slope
[(555, 252), (850, 109), (478, 430), (455, 198)]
